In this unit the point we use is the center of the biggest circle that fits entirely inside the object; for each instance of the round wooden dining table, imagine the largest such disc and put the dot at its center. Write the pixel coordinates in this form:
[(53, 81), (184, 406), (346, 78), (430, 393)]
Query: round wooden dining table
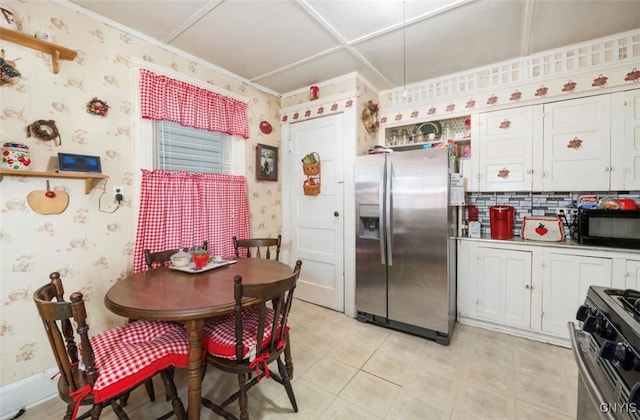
[(166, 294)]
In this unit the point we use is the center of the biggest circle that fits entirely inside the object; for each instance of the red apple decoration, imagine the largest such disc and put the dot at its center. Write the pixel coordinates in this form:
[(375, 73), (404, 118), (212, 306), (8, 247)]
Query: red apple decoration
[(200, 260), (541, 230), (49, 193)]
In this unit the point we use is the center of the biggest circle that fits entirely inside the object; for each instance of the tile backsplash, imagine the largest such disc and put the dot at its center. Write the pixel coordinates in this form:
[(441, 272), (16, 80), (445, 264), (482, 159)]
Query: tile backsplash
[(532, 204)]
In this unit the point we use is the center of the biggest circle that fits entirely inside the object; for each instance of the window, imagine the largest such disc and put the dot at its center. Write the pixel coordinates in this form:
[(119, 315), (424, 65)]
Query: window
[(179, 148)]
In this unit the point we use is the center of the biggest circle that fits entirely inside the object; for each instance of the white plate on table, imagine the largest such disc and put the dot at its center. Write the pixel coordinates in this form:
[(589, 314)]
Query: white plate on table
[(191, 267)]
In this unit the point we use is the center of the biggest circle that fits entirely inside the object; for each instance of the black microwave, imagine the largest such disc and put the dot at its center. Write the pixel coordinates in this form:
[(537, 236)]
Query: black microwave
[(615, 228)]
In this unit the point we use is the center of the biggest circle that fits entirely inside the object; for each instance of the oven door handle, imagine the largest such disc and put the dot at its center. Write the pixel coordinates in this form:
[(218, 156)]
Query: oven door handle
[(592, 389)]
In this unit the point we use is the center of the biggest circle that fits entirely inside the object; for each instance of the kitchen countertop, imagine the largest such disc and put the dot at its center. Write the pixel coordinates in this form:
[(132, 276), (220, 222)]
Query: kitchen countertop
[(566, 244)]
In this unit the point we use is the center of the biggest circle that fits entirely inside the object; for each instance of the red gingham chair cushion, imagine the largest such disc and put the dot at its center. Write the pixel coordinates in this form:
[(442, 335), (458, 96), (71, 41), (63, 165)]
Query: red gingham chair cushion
[(219, 337), (135, 351)]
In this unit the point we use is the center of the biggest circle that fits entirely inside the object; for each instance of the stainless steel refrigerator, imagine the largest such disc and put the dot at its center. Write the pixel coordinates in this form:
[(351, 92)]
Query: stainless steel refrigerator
[(405, 242)]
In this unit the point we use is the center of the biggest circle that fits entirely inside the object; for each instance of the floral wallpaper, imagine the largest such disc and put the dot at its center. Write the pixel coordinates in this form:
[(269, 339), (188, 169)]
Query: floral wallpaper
[(91, 242)]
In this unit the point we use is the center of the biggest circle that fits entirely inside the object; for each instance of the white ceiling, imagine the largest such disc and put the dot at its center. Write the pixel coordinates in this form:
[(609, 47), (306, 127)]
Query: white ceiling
[(287, 45)]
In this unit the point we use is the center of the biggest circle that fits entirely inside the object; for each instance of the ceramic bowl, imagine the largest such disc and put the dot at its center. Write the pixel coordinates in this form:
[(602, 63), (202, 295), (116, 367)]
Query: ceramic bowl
[(180, 259)]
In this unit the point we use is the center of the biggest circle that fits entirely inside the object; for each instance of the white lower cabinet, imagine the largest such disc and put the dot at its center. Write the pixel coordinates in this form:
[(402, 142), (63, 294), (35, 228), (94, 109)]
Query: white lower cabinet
[(626, 273), (565, 279), (534, 290), (503, 279)]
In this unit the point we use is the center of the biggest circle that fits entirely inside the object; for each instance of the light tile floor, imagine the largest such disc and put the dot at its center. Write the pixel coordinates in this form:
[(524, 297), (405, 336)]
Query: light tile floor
[(345, 369)]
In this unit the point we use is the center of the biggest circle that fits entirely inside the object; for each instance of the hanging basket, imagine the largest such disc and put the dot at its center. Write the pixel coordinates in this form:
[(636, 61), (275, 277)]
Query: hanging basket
[(311, 189), (311, 164), (311, 168)]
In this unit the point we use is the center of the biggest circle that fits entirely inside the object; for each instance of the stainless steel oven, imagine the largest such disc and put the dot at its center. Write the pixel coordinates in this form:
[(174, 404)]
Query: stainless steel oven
[(606, 349)]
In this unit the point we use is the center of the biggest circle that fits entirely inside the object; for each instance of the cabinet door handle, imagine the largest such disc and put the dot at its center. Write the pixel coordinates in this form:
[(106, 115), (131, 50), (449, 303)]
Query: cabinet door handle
[(528, 286)]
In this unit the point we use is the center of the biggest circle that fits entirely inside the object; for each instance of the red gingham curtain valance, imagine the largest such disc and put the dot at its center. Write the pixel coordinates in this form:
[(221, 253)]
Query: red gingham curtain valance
[(164, 98), (181, 209)]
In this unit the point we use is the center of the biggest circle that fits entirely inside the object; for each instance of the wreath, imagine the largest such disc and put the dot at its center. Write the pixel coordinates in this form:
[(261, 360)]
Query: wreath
[(370, 117), (44, 130), (97, 107)]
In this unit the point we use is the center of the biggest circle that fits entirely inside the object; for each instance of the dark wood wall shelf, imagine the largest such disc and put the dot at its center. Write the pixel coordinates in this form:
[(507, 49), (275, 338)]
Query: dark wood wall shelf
[(90, 180), (56, 51)]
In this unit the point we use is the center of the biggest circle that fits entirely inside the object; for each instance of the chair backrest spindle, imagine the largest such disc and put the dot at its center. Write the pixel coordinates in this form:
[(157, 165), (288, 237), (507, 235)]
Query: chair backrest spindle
[(255, 246)]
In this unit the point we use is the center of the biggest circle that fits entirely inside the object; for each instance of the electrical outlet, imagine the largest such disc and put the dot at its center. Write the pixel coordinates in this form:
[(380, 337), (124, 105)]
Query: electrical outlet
[(566, 211), (118, 193)]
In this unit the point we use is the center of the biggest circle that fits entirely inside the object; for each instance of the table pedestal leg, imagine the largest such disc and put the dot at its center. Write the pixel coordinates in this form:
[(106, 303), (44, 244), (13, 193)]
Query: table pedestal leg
[(194, 334)]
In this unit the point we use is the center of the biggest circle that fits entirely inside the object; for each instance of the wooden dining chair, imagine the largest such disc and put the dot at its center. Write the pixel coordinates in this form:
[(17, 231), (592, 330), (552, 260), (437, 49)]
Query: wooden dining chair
[(247, 341), (255, 247), (103, 369), (163, 257)]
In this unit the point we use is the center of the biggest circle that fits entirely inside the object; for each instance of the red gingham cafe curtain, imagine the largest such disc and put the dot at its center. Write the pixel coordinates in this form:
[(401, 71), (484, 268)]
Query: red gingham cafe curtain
[(181, 209), (164, 98)]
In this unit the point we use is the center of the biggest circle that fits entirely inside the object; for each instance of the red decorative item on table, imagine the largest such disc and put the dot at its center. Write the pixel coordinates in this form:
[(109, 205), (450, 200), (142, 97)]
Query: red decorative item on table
[(200, 260)]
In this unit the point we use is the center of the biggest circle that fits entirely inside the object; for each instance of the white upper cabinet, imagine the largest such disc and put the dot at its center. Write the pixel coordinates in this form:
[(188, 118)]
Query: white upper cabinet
[(583, 144), (576, 148), (503, 144), (625, 140)]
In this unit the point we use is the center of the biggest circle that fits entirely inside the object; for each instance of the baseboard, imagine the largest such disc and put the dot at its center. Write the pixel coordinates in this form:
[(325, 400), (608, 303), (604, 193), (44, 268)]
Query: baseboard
[(27, 392), (524, 333)]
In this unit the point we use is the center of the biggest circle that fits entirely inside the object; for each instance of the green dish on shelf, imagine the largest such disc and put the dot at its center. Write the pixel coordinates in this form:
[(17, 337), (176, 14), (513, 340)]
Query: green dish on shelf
[(431, 127)]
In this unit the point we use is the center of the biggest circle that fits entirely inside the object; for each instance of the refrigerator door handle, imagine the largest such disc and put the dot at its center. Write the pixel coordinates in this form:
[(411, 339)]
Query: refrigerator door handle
[(381, 227), (388, 206)]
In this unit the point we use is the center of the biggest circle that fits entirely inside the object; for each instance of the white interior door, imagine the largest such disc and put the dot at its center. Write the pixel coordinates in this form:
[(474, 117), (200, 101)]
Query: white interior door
[(317, 222)]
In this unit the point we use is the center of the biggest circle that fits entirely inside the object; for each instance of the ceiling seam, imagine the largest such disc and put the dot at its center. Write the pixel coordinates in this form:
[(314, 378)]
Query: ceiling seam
[(344, 44), (192, 20)]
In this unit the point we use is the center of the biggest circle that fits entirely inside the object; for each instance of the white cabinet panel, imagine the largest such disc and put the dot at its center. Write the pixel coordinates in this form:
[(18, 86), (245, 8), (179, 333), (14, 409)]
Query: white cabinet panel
[(503, 279), (466, 299), (565, 281), (502, 149), (625, 141), (576, 151), (631, 274)]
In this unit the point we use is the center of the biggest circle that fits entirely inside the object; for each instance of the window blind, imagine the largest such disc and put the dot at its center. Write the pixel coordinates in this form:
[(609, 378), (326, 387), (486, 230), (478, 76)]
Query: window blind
[(179, 148)]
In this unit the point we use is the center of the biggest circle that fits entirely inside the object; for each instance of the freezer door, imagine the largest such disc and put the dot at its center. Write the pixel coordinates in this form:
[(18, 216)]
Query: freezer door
[(371, 283), (419, 233)]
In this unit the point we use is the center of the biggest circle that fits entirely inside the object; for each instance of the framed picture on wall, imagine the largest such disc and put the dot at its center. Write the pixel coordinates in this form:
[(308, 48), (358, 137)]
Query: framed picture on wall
[(266, 163)]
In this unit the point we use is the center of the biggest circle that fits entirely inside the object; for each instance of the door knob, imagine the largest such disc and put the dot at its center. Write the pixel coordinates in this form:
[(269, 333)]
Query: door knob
[(336, 214)]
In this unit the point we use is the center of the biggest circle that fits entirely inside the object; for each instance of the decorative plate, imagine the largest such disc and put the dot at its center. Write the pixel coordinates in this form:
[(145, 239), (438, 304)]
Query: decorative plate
[(265, 127)]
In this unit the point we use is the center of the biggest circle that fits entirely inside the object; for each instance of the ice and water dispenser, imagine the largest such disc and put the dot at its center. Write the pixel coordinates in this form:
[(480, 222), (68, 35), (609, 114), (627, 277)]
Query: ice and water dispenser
[(369, 227)]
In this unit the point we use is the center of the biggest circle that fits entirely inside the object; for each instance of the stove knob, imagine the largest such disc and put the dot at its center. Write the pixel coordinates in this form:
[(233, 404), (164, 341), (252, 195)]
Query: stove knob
[(607, 331), (591, 324), (617, 353), (583, 313)]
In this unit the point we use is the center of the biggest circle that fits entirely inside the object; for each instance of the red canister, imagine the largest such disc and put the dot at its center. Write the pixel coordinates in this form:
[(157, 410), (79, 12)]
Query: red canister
[(501, 219), (473, 213)]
